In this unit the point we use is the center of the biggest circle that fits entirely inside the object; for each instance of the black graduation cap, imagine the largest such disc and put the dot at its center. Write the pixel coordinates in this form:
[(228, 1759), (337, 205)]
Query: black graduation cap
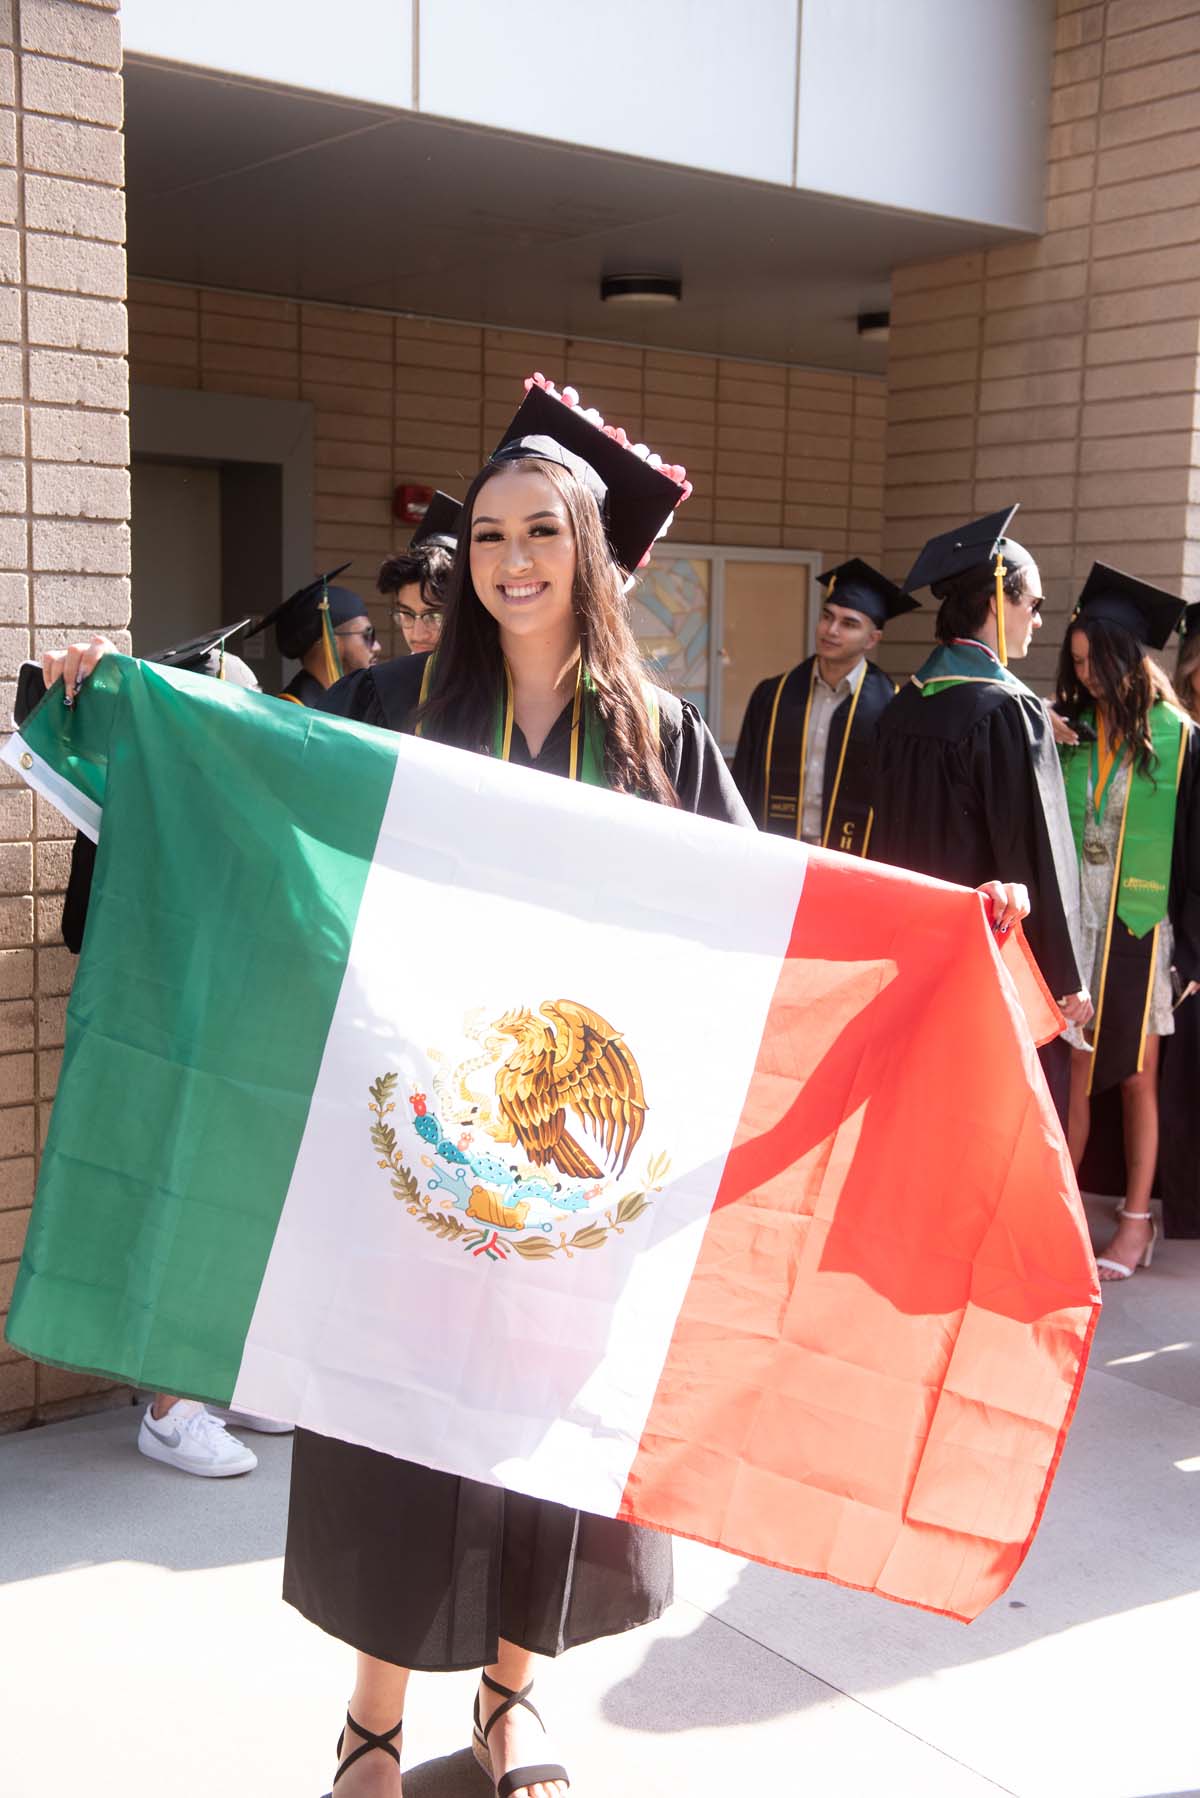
[(297, 619), (1191, 620), (1146, 612), (635, 500), (969, 546), (199, 655), (857, 585), (440, 523)]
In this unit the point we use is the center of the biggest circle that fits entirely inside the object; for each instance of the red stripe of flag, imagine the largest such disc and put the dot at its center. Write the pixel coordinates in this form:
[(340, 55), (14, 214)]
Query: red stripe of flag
[(877, 1358)]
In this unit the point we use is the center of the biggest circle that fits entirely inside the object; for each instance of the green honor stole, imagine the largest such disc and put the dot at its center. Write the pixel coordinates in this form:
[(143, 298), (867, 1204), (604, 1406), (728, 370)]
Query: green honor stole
[(1143, 872)]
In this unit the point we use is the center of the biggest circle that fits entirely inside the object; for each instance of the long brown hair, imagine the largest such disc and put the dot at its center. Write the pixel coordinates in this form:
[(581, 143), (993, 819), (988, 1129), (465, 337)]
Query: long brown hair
[(1186, 670), (468, 677), (1130, 682)]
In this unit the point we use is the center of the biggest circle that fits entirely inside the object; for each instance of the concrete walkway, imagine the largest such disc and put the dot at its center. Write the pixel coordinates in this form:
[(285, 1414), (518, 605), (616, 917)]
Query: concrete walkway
[(146, 1651)]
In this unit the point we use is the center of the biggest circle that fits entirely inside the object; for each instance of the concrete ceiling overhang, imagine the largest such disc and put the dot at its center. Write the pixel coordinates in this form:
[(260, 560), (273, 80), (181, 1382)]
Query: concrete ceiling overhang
[(238, 185)]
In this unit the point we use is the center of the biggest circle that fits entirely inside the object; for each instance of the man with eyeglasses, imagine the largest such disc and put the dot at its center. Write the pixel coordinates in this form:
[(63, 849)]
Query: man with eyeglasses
[(417, 578), (324, 628)]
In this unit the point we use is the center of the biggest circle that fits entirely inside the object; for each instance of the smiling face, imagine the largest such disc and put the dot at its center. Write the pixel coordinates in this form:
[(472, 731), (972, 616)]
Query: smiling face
[(523, 554), (844, 635)]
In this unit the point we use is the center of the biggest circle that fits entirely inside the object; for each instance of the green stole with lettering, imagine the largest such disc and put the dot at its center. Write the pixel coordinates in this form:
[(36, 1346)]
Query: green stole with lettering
[(1148, 826)]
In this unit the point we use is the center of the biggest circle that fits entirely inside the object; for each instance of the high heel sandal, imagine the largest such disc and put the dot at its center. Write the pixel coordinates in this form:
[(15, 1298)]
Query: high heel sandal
[(520, 1777), (369, 1740), (1118, 1269)]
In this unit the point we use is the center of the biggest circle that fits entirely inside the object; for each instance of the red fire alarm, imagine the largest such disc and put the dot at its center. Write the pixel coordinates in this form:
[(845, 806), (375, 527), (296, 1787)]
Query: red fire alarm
[(410, 503)]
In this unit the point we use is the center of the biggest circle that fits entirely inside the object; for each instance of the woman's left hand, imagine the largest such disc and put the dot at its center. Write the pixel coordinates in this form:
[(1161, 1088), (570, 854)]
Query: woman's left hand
[(1009, 901)]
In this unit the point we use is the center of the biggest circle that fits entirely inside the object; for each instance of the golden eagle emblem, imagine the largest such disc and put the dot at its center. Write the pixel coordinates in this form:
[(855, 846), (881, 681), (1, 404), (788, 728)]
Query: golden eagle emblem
[(568, 1060)]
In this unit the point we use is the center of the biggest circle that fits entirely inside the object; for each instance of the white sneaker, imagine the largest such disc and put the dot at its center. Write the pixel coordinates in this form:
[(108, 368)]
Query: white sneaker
[(249, 1420), (192, 1439)]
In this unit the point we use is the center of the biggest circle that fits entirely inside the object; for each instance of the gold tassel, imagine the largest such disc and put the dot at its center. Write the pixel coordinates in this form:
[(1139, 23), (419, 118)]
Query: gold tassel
[(333, 661), (1001, 643)]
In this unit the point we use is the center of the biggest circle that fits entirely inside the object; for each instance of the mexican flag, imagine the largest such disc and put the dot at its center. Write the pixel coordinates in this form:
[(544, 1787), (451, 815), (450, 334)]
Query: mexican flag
[(554, 1139)]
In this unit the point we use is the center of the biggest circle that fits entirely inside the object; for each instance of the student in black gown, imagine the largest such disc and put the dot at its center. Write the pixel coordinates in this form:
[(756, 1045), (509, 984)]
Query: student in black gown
[(537, 663), (415, 580), (968, 786), (1133, 786), (326, 629), (805, 761)]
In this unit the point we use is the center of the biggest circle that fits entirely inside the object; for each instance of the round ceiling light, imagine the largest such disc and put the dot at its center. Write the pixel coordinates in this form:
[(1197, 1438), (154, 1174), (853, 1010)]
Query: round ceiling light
[(641, 290)]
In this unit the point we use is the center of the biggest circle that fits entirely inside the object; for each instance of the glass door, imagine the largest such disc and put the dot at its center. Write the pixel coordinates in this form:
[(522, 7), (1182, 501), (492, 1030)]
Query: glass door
[(713, 622)]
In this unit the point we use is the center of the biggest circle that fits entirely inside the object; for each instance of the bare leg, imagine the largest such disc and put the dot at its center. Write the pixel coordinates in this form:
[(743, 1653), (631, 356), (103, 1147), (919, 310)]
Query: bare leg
[(162, 1404), (1079, 1110), (517, 1740), (1139, 1111), (377, 1702)]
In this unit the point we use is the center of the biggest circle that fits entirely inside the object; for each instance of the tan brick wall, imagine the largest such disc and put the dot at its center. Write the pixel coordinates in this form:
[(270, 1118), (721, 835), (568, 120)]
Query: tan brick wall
[(64, 540), (1063, 372), (786, 458)]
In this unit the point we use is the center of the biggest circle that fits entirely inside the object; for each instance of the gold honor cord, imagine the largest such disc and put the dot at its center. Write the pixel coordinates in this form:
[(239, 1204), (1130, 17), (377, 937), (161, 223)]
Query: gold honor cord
[(576, 719), (1105, 764), (1001, 639), (766, 805), (509, 710), (867, 833), (837, 779), (812, 681), (1112, 912)]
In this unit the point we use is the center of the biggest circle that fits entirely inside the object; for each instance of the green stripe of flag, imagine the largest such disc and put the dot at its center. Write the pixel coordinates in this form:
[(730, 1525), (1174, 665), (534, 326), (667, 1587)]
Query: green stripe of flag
[(183, 1124)]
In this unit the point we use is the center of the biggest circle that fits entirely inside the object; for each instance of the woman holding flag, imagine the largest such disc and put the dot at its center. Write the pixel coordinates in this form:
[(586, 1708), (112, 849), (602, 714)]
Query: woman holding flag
[(537, 665), (1134, 798)]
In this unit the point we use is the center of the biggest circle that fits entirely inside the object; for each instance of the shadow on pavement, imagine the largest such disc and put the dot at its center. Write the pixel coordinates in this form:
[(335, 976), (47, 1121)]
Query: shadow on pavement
[(449, 1776), (79, 1494)]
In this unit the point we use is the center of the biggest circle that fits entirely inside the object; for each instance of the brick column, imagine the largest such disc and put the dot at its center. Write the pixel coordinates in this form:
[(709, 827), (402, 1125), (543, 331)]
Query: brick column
[(64, 533), (1063, 372)]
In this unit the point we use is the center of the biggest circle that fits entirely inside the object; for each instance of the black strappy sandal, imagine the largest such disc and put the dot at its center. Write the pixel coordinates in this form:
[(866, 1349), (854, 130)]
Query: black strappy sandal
[(520, 1777), (370, 1740)]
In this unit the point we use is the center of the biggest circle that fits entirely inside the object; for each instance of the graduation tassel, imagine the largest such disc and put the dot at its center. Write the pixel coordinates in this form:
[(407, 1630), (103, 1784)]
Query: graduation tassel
[(1001, 644), (333, 661)]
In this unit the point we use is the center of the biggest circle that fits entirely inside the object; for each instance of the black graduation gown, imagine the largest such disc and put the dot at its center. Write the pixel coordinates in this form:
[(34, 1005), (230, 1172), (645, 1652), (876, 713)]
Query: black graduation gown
[(1103, 1168), (425, 1569), (850, 825), (957, 797), (305, 688)]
